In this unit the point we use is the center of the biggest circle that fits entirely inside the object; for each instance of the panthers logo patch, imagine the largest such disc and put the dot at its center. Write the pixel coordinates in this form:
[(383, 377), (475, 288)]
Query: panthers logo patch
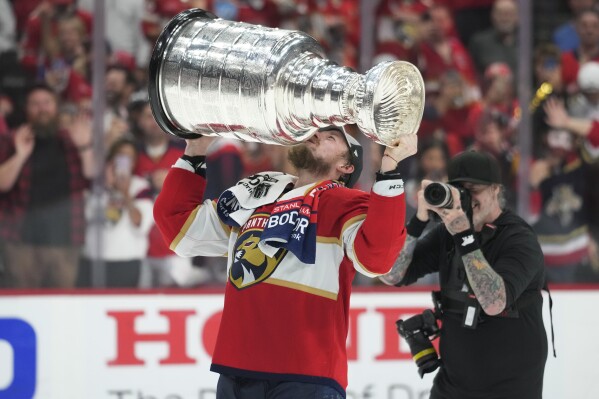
[(250, 265)]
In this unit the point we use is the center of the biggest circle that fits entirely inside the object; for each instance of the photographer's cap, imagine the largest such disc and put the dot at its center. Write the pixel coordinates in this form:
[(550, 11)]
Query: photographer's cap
[(356, 153), (473, 167)]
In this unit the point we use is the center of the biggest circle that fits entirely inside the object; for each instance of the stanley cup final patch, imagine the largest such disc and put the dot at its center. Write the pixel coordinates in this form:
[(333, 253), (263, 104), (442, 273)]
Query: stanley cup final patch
[(236, 204), (261, 189), (258, 186)]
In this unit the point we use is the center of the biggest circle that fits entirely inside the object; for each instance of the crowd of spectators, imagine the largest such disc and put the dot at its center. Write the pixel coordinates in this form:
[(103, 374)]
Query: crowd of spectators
[(51, 234)]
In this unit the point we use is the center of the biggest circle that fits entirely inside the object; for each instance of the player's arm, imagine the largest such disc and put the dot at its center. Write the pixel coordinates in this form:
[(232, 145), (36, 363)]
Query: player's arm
[(189, 226), (374, 243), (414, 230)]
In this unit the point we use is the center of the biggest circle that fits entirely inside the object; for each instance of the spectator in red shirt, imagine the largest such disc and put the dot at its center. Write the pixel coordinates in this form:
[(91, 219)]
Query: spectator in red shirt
[(334, 24), (71, 44), (587, 26), (398, 20), (43, 173), (447, 112), (64, 67), (498, 97), (23, 10), (157, 153), (68, 84), (42, 26), (440, 51), (397, 24)]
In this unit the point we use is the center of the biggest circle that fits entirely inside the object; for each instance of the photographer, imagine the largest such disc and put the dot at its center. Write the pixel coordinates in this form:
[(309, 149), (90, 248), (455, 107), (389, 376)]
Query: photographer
[(492, 341)]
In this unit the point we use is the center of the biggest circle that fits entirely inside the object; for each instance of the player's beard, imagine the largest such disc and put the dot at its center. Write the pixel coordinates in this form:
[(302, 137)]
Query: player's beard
[(302, 159)]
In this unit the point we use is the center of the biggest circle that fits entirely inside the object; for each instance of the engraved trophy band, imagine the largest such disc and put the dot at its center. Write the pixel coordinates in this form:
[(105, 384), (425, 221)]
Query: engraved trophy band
[(210, 76)]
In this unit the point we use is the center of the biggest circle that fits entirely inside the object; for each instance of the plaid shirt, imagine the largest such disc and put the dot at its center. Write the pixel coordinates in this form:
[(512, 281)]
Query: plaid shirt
[(14, 203)]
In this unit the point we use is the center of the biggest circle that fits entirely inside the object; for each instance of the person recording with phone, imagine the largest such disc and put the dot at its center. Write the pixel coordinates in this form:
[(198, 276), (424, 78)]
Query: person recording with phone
[(493, 342), (127, 202)]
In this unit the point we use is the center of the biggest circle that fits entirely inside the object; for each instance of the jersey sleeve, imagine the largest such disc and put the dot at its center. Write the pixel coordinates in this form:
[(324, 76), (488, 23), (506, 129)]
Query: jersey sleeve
[(189, 226), (371, 227)]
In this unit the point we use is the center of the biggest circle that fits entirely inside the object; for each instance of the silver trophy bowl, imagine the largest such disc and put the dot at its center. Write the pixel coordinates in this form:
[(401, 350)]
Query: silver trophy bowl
[(213, 77)]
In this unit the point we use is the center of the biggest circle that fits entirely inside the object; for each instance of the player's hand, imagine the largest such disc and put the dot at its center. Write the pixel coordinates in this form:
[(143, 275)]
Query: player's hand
[(401, 148), (198, 146)]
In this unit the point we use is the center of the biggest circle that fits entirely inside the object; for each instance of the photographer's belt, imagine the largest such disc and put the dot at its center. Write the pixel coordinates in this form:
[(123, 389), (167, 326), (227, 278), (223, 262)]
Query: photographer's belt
[(456, 302)]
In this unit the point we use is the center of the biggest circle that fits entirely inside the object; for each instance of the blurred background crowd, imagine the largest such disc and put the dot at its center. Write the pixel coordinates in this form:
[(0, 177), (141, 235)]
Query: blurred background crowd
[(78, 176)]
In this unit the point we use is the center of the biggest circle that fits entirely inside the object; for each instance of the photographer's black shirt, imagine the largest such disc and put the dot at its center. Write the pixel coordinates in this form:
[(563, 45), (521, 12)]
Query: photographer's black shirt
[(503, 357)]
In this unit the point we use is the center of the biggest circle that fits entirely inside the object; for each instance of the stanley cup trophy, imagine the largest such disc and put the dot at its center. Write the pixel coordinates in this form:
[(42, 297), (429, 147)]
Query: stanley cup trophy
[(214, 77)]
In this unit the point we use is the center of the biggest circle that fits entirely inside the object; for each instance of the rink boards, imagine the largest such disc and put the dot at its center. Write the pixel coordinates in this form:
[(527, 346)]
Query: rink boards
[(152, 345)]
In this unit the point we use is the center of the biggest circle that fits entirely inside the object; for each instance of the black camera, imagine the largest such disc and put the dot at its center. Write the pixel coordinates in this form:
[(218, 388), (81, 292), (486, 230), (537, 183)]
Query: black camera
[(439, 195), (419, 331)]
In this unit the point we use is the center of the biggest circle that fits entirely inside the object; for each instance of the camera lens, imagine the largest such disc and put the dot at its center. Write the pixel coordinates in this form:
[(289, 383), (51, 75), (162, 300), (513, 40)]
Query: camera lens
[(439, 195)]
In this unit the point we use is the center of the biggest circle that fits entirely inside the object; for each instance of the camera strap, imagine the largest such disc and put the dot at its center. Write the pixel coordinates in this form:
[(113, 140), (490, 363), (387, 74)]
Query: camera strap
[(546, 288)]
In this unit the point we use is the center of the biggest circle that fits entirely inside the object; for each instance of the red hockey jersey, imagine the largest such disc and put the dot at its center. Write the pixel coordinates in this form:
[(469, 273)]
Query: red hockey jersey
[(284, 319)]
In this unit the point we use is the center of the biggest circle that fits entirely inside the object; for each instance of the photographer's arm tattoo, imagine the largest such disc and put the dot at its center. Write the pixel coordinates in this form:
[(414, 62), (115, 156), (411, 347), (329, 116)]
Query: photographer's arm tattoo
[(398, 271), (458, 224), (486, 284)]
